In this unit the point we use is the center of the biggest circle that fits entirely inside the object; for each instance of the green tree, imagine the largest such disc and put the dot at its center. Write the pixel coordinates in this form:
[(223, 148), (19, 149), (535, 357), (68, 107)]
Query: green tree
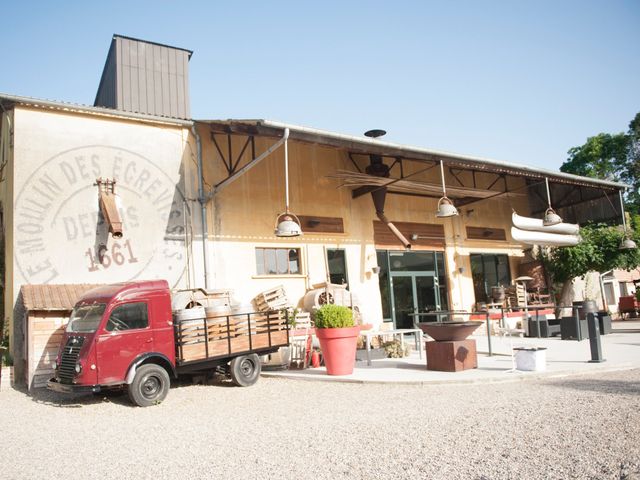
[(599, 251), (614, 156), (631, 174), (605, 156)]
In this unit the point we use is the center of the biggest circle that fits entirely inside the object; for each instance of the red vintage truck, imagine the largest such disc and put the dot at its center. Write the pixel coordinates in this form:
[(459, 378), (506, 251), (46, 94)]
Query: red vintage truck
[(125, 336)]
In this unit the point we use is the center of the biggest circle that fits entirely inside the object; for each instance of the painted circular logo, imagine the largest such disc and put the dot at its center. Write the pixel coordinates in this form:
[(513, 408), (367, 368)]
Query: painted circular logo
[(61, 235)]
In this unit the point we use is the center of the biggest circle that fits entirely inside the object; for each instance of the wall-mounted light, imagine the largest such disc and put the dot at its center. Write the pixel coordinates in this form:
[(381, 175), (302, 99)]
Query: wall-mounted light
[(445, 206)]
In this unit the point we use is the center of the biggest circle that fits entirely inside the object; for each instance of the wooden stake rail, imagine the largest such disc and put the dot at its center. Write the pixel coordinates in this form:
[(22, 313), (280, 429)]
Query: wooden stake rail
[(230, 335)]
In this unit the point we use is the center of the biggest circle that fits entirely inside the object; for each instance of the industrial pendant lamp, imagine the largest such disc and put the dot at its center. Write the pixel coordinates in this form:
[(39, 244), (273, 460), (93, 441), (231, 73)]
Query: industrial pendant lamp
[(287, 224), (446, 208), (550, 216), (627, 243)]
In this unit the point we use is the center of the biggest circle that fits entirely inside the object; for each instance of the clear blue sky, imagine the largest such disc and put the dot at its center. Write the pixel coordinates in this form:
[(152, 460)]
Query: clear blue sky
[(511, 80)]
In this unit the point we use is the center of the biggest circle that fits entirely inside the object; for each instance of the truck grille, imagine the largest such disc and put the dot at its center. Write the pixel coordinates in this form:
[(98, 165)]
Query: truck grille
[(69, 358)]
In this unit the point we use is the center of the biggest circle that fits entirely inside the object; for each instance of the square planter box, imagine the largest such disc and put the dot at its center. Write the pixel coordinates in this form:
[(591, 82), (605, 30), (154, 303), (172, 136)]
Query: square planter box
[(531, 359), (548, 328), (568, 329)]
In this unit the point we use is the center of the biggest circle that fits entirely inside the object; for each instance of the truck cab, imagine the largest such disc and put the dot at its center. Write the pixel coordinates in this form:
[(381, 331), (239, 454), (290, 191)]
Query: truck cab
[(112, 331)]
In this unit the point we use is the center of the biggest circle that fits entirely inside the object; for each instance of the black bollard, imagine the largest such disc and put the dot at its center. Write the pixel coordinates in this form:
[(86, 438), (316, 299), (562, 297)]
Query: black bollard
[(594, 338)]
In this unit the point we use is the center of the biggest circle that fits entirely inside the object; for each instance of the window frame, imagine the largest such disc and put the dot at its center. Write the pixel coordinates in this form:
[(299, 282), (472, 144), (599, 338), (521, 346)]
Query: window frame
[(265, 273), (344, 258)]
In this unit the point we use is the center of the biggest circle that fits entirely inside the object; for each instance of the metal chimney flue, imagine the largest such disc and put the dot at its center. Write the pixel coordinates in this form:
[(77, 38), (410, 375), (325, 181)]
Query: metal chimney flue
[(378, 168)]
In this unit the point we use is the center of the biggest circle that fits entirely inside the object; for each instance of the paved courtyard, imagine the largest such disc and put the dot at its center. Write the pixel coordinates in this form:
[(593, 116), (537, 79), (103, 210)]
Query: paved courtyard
[(584, 426)]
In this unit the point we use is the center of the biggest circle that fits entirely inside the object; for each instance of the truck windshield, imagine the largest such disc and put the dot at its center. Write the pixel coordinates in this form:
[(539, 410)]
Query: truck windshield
[(86, 318)]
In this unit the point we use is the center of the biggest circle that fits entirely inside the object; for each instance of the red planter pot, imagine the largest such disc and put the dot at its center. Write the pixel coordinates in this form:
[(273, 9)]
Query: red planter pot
[(338, 348)]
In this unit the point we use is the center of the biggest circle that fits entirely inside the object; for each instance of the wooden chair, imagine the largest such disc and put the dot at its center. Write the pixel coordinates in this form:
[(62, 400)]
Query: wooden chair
[(300, 341)]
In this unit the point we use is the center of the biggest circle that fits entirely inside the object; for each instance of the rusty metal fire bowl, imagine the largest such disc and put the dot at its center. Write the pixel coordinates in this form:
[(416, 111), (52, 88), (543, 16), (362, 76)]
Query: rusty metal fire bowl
[(449, 331)]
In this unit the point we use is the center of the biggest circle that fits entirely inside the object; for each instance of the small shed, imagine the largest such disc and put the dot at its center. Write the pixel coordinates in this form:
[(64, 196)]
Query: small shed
[(46, 312)]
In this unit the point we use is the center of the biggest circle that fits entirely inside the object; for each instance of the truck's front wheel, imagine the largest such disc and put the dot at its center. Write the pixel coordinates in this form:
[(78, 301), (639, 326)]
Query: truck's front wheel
[(245, 370), (150, 385)]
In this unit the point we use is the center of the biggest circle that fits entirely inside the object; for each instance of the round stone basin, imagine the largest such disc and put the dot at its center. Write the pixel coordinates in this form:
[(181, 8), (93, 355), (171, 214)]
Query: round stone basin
[(448, 331)]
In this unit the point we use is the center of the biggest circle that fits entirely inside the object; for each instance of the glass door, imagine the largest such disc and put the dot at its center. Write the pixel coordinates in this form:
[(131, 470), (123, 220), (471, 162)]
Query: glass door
[(428, 298), (411, 282), (403, 301)]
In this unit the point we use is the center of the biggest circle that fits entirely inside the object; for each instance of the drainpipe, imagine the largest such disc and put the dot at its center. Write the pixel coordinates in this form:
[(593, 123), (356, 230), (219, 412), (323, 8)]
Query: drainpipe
[(9, 136), (203, 207)]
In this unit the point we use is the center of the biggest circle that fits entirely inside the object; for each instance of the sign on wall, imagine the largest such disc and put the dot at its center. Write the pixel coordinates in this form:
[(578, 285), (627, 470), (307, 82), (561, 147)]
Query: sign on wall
[(60, 235)]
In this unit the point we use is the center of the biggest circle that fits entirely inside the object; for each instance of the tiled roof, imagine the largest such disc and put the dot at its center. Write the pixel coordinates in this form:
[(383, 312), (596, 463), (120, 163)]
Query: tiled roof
[(53, 297)]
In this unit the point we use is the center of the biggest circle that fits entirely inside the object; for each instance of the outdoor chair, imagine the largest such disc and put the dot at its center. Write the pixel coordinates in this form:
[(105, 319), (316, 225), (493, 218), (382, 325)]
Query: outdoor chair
[(300, 341)]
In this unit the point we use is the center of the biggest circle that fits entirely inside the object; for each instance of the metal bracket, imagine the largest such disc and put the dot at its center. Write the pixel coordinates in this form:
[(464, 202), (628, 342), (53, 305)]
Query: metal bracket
[(231, 167)]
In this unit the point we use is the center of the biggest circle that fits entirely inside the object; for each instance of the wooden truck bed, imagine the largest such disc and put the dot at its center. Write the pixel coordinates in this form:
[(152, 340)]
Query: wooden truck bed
[(224, 336)]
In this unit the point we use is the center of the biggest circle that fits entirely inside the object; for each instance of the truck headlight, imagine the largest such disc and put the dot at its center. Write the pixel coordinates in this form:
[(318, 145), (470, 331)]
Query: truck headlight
[(78, 368)]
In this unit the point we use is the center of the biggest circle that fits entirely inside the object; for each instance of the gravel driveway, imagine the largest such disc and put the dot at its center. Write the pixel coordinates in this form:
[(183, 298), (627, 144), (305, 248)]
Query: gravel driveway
[(574, 427)]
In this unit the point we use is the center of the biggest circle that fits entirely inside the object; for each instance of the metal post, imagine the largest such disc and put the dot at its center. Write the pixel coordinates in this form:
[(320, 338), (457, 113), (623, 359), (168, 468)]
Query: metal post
[(538, 323), (488, 333), (594, 338), (576, 323)]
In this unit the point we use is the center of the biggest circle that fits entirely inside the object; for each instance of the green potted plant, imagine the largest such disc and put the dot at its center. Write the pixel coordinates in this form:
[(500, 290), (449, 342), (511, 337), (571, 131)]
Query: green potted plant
[(338, 336)]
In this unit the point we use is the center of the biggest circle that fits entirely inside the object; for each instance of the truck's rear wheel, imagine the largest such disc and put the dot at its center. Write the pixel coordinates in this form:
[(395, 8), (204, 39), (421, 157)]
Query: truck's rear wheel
[(150, 385), (245, 370)]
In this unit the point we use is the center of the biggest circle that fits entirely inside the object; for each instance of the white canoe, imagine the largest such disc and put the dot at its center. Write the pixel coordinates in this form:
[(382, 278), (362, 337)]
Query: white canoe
[(528, 223), (531, 237)]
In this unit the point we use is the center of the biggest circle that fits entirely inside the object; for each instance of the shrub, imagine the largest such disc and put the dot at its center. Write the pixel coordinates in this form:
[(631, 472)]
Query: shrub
[(333, 316), (396, 349)]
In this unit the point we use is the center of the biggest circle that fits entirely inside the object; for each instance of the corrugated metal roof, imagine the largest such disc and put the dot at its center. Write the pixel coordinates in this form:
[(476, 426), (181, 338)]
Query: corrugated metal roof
[(53, 297), (90, 110), (332, 138), (314, 135)]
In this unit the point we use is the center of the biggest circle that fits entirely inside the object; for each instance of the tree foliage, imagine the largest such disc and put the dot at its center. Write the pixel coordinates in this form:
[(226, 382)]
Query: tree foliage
[(611, 156), (605, 156), (599, 251)]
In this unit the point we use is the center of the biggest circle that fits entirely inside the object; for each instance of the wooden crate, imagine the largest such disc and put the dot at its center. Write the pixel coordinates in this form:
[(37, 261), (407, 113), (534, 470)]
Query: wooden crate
[(273, 299)]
